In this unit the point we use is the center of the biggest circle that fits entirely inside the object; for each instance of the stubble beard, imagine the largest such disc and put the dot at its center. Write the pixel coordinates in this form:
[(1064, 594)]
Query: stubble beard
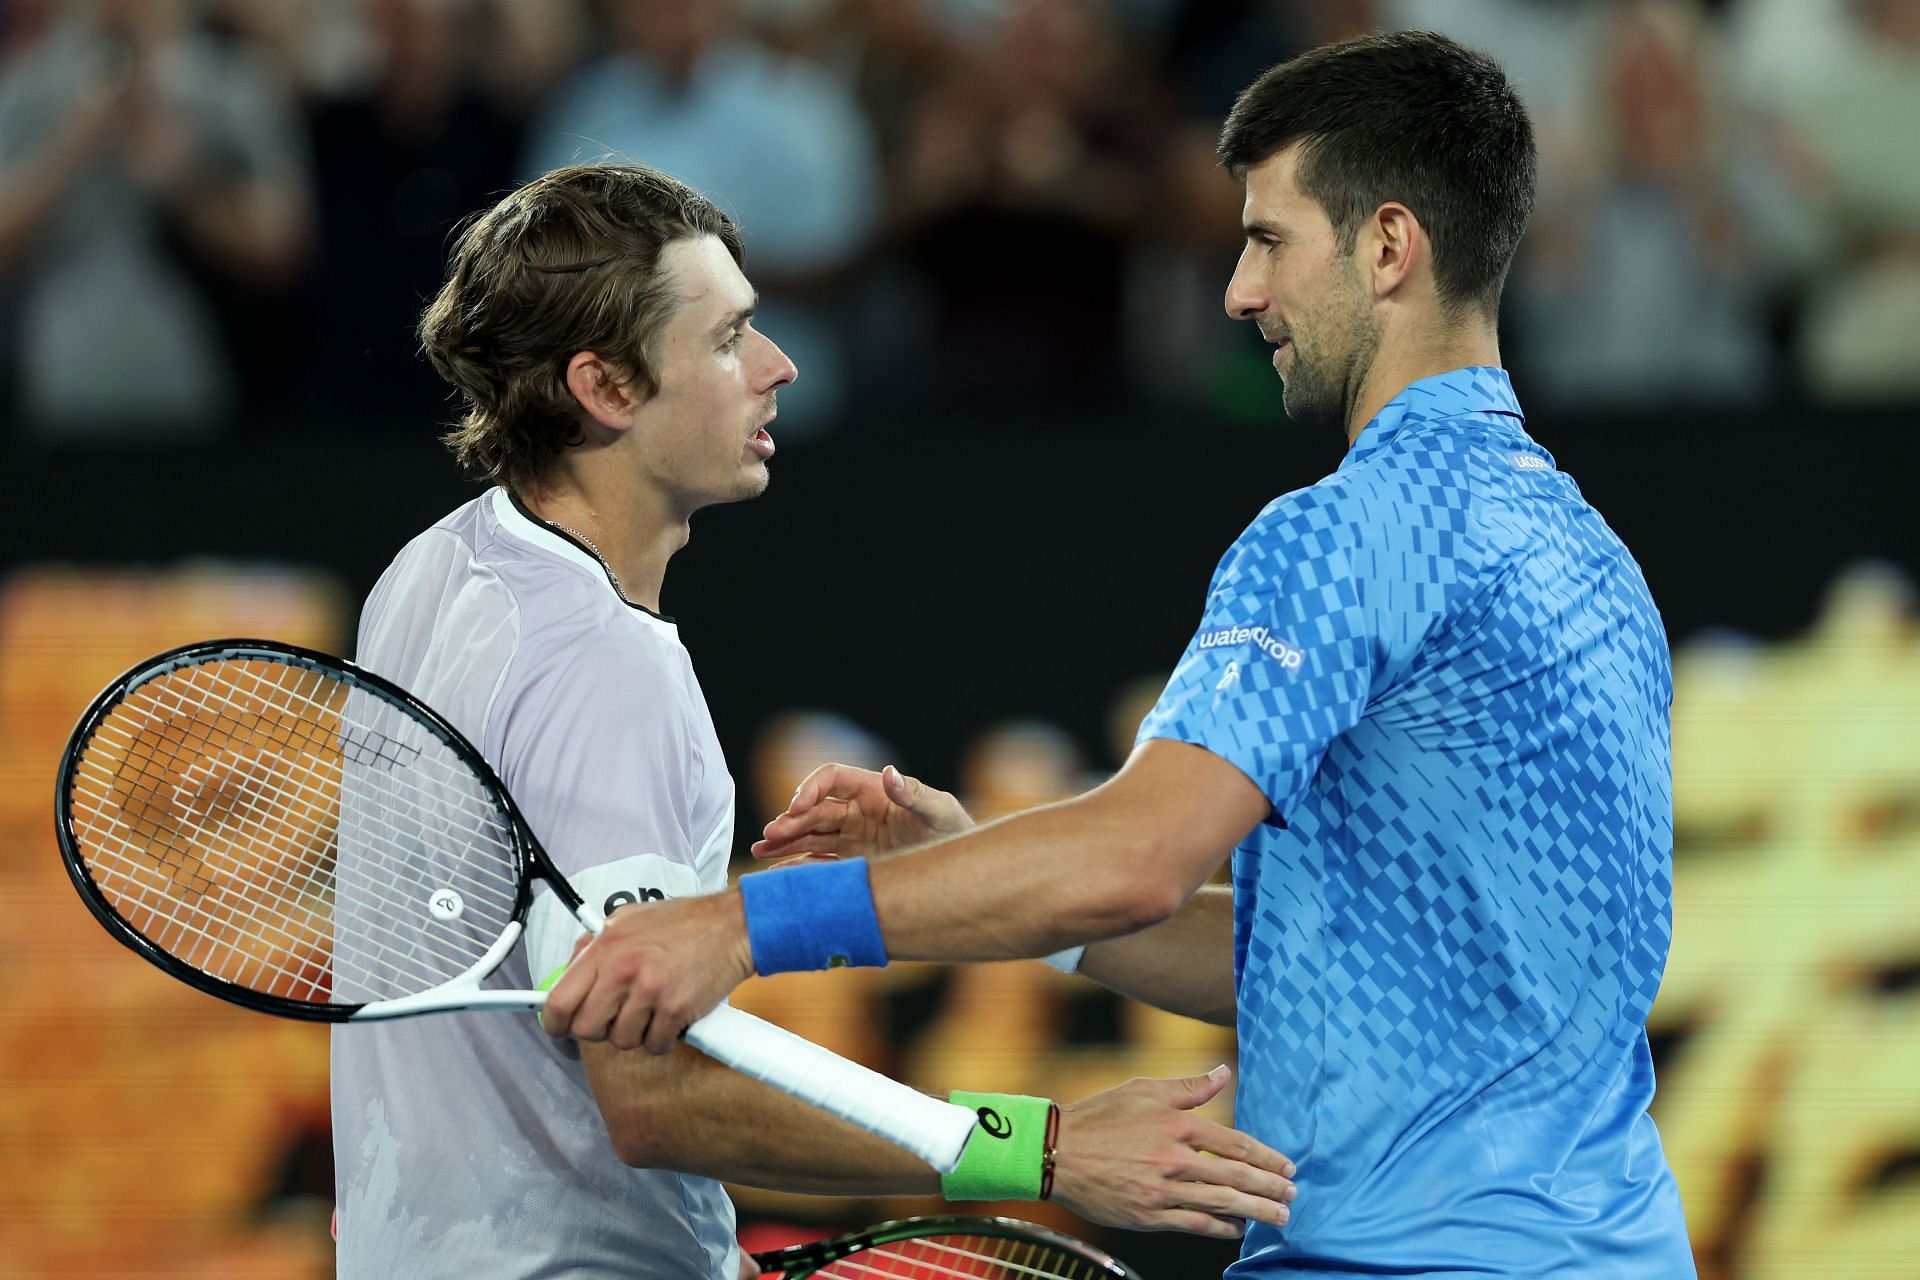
[(1305, 392), (1320, 390)]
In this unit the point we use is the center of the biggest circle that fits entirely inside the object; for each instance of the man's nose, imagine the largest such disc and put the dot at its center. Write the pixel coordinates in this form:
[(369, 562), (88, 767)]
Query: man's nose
[(1246, 293)]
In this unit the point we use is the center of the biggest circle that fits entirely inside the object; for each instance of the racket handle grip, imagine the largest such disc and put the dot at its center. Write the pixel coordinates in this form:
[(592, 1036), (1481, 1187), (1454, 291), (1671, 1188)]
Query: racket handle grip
[(935, 1131)]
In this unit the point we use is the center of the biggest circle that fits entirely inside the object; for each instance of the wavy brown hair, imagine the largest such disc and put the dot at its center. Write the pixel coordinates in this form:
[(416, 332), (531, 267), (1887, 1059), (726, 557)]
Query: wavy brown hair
[(568, 263)]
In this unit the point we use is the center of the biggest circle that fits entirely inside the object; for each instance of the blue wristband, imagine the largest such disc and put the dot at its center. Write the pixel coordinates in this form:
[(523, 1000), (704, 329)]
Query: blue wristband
[(815, 916)]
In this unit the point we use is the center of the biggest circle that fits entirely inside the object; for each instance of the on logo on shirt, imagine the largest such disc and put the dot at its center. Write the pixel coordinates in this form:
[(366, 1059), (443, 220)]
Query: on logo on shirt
[(626, 898)]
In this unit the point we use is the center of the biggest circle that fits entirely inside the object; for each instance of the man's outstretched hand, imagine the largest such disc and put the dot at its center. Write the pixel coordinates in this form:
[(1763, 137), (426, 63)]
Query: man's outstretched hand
[(847, 812), (1136, 1156)]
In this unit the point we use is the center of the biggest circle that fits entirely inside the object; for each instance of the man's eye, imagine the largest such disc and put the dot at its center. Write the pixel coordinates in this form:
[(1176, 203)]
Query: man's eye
[(733, 340)]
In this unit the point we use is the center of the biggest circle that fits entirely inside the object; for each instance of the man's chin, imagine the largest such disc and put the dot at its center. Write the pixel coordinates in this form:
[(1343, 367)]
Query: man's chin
[(1306, 409), (751, 484)]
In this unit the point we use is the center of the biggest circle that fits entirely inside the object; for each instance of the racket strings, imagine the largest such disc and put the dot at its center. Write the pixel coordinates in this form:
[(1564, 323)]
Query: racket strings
[(277, 828), (284, 736), (271, 937), (964, 1258), (413, 835), (366, 707), (173, 757), (420, 826), (207, 825)]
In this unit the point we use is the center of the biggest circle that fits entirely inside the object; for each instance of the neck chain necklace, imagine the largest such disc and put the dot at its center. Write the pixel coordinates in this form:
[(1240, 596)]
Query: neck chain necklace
[(590, 545)]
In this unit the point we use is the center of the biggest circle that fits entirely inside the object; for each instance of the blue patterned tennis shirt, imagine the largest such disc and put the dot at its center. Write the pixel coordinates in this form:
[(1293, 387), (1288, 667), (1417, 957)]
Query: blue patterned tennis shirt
[(1446, 673)]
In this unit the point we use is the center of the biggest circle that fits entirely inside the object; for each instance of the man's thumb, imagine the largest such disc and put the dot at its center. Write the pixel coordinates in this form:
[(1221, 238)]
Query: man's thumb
[(1196, 1091), (902, 790)]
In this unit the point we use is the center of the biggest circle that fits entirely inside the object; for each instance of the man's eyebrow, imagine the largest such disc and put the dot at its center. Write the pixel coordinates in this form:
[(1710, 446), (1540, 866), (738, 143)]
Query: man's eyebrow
[(1258, 227), (736, 318)]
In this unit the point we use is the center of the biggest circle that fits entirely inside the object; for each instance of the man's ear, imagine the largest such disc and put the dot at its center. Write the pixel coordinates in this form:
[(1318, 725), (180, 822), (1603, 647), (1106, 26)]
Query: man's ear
[(606, 392), (1395, 246)]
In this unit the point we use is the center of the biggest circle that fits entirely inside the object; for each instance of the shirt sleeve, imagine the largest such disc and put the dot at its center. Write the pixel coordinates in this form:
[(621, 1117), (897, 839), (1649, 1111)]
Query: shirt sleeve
[(1304, 624), (597, 752)]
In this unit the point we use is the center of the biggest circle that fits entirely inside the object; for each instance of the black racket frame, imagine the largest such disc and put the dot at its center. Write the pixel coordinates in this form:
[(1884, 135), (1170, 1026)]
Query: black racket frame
[(823, 1253), (531, 860)]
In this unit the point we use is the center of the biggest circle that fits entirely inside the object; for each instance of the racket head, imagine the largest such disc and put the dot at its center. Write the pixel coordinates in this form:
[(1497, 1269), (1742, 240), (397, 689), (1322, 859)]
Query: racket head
[(950, 1247), (199, 809)]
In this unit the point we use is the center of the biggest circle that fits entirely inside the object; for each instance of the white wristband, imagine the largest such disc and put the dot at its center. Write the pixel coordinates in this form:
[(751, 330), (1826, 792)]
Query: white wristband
[(1067, 961)]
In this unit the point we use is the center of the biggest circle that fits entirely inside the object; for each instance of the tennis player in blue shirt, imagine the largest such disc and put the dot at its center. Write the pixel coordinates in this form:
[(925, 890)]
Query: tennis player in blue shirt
[(1426, 710)]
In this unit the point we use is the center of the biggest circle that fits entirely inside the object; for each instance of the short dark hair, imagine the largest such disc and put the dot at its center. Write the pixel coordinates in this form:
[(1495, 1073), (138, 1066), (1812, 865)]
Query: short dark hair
[(1408, 116), (568, 263)]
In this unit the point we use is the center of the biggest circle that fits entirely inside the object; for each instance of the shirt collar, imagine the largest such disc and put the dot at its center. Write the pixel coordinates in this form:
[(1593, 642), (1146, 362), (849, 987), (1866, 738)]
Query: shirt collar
[(1458, 393), (518, 519)]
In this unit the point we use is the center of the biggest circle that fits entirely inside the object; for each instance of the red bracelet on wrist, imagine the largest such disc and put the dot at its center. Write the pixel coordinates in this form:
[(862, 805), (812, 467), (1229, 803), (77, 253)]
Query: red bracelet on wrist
[(1048, 1149)]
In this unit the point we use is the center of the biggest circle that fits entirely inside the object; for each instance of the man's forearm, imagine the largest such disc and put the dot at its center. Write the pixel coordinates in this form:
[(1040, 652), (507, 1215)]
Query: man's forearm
[(686, 1112), (1053, 877), (1116, 860), (1183, 964)]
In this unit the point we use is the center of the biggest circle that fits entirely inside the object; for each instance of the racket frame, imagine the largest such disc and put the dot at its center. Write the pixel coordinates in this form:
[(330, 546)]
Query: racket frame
[(527, 852), (823, 1253)]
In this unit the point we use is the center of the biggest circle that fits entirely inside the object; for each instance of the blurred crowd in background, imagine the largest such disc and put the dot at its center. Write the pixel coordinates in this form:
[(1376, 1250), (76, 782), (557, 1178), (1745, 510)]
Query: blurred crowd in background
[(227, 213)]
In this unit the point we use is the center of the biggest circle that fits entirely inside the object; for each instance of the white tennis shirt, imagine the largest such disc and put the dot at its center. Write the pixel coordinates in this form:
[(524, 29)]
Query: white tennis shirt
[(469, 1144)]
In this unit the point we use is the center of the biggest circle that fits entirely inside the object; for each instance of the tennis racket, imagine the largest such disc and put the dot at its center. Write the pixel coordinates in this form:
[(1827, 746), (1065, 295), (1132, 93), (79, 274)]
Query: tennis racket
[(286, 831), (947, 1248)]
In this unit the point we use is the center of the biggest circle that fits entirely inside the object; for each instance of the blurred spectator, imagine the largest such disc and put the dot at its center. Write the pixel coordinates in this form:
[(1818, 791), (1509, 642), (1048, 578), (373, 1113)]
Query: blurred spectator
[(777, 142), (1854, 124), (1180, 342), (1777, 46), (419, 142), (153, 184), (1018, 765), (513, 49), (1215, 48), (1645, 281), (1546, 47), (22, 22), (1024, 175), (887, 51)]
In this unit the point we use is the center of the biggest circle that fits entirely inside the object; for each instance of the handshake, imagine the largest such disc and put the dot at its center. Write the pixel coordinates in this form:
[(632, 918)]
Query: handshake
[(1135, 1156)]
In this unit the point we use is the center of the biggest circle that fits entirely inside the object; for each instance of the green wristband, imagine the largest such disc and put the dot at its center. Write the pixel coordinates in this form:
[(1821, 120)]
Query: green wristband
[(548, 983), (1003, 1158)]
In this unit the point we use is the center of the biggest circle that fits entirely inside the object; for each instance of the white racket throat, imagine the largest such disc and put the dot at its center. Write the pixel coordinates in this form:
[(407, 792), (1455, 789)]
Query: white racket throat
[(460, 992)]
